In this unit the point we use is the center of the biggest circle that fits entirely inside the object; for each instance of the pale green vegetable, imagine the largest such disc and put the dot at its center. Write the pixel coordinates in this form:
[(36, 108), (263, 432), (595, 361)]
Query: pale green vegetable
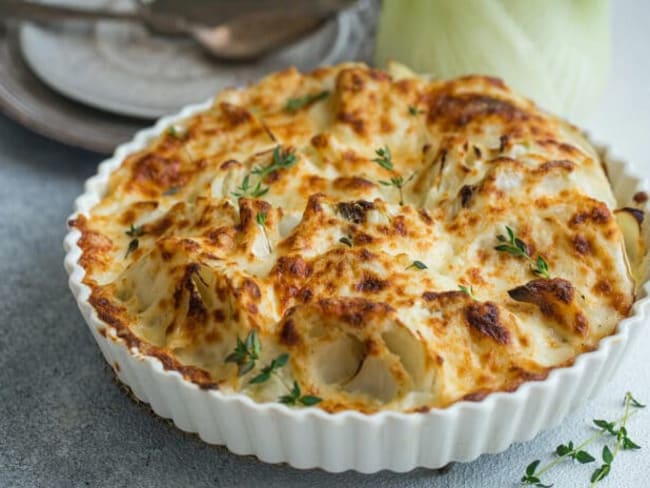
[(553, 51)]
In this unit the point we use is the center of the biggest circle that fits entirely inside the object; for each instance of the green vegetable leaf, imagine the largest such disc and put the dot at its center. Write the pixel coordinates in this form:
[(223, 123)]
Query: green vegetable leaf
[(246, 353), (295, 104)]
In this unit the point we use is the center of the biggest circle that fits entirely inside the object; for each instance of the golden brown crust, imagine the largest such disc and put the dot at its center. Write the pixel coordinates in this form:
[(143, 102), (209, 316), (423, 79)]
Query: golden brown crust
[(319, 257)]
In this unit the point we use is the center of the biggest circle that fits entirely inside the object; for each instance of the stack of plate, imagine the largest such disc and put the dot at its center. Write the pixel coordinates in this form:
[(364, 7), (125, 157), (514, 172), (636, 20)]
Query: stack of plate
[(95, 85)]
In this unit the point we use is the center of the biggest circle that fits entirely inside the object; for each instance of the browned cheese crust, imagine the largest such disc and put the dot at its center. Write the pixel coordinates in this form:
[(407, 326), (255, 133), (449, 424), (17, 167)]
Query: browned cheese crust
[(199, 240)]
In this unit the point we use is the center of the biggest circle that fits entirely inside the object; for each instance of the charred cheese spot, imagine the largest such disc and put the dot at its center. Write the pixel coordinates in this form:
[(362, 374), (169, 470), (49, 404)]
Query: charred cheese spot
[(484, 317)]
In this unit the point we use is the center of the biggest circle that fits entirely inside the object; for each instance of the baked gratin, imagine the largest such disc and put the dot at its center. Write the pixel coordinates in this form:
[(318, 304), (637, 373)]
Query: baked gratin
[(357, 239)]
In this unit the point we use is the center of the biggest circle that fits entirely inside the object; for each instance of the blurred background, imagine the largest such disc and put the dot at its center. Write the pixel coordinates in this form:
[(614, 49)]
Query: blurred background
[(93, 74)]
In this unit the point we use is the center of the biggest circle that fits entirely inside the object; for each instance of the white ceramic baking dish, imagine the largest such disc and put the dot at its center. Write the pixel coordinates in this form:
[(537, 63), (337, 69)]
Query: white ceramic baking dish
[(309, 437)]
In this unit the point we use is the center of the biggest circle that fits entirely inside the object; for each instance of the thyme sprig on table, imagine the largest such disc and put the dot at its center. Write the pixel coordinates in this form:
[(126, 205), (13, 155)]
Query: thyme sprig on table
[(514, 246), (281, 160), (295, 104), (616, 429), (385, 160), (247, 353)]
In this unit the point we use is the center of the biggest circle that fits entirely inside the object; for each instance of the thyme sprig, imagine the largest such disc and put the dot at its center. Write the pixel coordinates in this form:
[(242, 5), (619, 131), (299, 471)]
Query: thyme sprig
[(295, 104), (417, 265), (270, 369), (385, 160), (134, 232), (261, 221), (247, 353), (617, 429), (467, 290), (281, 160), (514, 246), (295, 396), (398, 182), (247, 190), (413, 110)]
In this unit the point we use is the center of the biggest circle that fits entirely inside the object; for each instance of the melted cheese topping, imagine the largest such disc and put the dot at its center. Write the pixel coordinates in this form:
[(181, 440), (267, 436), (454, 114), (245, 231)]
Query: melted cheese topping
[(329, 277)]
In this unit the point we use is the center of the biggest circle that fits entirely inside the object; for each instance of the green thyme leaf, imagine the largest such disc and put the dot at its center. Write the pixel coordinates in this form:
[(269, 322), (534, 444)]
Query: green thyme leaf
[(384, 158), (600, 473), (530, 469), (261, 218), (267, 371), (541, 268), (413, 110), (469, 291), (417, 265), (281, 160), (309, 400), (295, 104), (292, 397), (346, 240), (514, 246), (133, 245), (135, 231), (583, 457)]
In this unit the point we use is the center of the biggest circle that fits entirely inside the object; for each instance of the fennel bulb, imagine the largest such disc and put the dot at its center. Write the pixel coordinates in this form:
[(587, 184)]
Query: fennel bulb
[(553, 51)]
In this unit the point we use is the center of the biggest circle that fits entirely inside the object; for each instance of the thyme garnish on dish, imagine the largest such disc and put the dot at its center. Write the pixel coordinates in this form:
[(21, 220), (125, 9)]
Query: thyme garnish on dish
[(295, 104), (616, 429), (261, 221), (514, 246), (385, 160), (134, 232), (346, 240), (413, 110), (281, 160), (270, 369), (417, 265), (295, 396), (469, 291), (247, 353)]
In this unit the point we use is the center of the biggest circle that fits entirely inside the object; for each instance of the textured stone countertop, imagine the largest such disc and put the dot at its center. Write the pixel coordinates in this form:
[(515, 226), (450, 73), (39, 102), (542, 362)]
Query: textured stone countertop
[(64, 422)]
